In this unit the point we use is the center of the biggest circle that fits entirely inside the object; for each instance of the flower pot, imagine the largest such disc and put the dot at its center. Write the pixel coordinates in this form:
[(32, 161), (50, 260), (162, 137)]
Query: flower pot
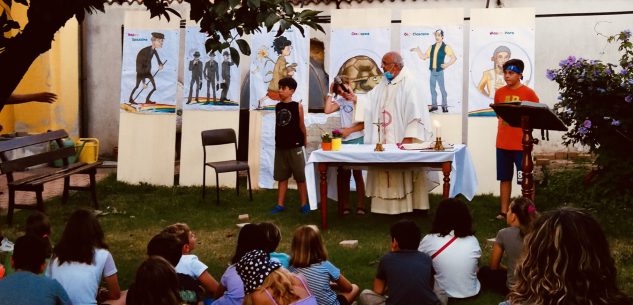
[(326, 146), (336, 143)]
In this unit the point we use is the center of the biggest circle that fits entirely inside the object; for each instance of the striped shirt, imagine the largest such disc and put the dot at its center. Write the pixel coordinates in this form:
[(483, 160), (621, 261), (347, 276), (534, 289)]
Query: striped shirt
[(319, 276)]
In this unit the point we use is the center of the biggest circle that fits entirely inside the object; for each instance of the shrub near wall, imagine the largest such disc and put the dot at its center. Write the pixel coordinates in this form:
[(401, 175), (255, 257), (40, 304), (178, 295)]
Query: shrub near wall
[(596, 102)]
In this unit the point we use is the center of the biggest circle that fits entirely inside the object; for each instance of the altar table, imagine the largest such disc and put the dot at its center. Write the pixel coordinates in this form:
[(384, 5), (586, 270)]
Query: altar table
[(455, 164)]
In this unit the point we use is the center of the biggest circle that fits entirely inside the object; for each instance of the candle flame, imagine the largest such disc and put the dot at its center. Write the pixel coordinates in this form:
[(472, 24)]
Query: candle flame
[(436, 124)]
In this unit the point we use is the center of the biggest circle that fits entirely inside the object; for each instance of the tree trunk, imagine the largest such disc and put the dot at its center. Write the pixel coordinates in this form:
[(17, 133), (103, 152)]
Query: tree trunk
[(44, 21)]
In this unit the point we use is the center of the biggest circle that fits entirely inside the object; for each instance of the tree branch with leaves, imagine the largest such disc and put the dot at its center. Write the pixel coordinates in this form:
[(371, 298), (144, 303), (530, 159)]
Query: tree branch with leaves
[(217, 19)]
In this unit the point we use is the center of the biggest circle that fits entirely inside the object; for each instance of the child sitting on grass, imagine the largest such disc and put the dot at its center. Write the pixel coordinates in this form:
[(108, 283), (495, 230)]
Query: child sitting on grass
[(189, 264), (566, 260), (266, 283), (231, 285), (454, 250), (26, 286), (404, 274), (169, 247), (272, 238), (81, 260), (37, 224), (509, 241), (309, 258)]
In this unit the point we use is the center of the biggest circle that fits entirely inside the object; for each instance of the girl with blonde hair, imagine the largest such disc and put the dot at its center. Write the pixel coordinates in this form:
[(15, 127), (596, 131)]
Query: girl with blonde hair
[(266, 283), (566, 261), (309, 258)]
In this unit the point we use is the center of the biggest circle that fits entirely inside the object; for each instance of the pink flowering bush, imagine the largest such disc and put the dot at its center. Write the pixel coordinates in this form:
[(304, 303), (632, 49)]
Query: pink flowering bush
[(596, 102)]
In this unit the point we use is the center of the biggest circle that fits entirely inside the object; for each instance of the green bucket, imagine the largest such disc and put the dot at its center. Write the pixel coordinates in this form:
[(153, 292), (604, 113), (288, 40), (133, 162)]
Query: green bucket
[(68, 142)]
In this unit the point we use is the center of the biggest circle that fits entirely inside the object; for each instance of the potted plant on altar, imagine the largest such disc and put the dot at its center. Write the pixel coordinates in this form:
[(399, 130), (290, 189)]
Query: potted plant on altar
[(337, 139), (595, 101), (326, 141)]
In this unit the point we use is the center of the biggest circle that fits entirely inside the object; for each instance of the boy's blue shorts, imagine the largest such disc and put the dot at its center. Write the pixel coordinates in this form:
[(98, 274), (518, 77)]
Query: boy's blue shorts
[(506, 161)]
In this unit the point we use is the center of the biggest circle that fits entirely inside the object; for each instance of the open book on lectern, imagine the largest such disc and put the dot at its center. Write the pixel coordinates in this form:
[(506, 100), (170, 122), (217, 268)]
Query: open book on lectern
[(539, 114)]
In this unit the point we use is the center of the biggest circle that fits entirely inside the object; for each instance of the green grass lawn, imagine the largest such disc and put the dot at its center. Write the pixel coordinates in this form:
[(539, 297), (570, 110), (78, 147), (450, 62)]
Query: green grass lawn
[(137, 212)]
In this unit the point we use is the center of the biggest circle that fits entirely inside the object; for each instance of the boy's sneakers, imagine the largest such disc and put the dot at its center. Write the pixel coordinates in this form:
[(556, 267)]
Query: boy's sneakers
[(305, 209), (277, 209)]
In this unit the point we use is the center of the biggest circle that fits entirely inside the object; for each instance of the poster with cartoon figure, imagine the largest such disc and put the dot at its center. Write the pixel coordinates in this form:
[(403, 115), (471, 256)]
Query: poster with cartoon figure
[(149, 71), (435, 55), (274, 58), (211, 79), (490, 48), (356, 53)]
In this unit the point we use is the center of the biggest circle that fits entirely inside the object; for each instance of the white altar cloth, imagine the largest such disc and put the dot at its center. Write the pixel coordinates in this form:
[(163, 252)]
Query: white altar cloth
[(463, 179)]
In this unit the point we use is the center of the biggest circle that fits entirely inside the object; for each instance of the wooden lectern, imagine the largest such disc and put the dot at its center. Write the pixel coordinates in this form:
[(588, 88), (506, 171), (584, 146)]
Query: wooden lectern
[(528, 116)]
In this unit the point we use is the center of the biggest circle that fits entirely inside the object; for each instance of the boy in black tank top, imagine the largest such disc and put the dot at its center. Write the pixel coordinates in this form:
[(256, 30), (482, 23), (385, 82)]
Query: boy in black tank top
[(290, 137)]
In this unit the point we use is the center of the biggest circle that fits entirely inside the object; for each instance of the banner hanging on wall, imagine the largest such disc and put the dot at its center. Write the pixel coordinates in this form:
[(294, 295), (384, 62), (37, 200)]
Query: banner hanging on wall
[(212, 80), (435, 55), (357, 53), (273, 58), (149, 70), (490, 48)]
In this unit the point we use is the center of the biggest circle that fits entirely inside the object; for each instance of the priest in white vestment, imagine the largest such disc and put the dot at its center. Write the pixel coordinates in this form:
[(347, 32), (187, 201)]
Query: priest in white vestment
[(397, 104)]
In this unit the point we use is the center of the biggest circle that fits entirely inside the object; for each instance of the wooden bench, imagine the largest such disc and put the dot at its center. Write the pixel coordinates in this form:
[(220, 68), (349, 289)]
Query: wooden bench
[(35, 183)]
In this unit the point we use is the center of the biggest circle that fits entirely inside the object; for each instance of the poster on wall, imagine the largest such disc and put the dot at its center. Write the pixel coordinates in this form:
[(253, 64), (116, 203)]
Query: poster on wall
[(212, 80), (273, 58), (149, 71), (490, 48), (356, 53), (435, 54)]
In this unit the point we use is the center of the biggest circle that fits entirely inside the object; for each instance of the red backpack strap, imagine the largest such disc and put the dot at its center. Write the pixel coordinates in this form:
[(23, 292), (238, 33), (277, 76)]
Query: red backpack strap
[(443, 247)]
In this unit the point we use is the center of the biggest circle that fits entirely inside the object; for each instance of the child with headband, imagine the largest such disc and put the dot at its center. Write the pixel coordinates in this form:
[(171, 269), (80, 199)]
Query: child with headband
[(509, 147)]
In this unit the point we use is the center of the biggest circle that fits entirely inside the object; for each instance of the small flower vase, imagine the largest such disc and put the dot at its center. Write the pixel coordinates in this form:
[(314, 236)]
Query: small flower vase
[(326, 146), (336, 143)]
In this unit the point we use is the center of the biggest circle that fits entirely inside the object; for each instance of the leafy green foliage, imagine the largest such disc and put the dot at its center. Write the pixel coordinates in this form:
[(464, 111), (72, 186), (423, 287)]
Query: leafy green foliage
[(219, 18), (596, 101), (216, 18)]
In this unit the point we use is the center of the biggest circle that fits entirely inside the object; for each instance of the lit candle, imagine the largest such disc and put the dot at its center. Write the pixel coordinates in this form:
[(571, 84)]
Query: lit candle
[(437, 125)]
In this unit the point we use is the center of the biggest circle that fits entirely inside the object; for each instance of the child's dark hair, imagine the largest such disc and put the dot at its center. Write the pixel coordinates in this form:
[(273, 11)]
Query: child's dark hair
[(156, 283), (407, 234), (81, 236), (37, 224), (280, 43), (525, 211), (288, 82), (339, 83), (452, 215), (272, 236), (514, 62), (250, 238), (29, 253), (167, 246)]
